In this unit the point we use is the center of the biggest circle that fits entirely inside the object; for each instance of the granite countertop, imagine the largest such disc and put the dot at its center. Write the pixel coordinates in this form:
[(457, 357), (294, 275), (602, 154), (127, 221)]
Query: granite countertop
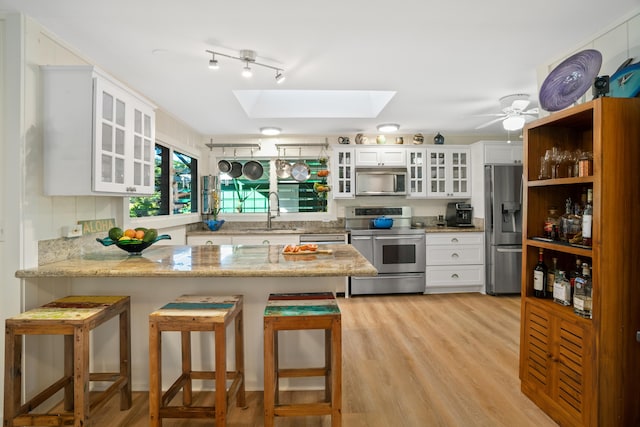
[(295, 230), (436, 229), (209, 261), (233, 231)]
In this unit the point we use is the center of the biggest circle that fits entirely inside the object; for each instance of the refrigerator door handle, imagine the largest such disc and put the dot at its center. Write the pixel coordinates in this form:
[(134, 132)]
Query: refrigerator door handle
[(509, 250)]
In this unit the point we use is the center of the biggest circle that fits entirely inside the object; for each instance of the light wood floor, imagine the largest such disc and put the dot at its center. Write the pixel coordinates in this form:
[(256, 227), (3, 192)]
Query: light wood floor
[(408, 361)]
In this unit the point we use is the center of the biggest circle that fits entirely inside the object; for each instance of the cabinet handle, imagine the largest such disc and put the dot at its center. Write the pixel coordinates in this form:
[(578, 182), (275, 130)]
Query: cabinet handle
[(208, 242), (455, 276), (454, 255), (454, 240), (265, 242)]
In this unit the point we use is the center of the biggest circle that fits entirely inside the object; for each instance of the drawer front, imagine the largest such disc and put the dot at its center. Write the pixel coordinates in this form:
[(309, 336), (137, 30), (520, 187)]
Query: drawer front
[(468, 238), (455, 255), (461, 275)]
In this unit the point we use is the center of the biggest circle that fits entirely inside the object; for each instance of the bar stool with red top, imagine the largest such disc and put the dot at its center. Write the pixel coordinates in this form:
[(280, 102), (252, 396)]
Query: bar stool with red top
[(187, 314), (73, 317), (303, 311)]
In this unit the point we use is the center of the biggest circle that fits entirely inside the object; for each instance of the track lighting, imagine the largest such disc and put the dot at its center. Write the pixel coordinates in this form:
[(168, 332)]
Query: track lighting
[(246, 71), (249, 58), (388, 127)]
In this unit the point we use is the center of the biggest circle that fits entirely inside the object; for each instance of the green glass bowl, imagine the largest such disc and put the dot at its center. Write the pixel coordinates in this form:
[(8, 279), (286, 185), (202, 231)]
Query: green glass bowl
[(134, 247)]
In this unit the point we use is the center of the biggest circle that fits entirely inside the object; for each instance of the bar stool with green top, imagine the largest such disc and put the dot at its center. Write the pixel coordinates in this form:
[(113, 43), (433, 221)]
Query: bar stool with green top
[(303, 311), (74, 317), (188, 314)]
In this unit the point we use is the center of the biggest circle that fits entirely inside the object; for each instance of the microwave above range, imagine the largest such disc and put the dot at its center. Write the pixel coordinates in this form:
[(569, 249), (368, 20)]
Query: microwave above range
[(381, 182)]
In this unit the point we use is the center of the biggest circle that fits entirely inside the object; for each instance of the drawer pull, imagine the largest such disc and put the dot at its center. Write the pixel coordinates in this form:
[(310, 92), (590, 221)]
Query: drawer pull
[(455, 255), (208, 242), (455, 276), (454, 240)]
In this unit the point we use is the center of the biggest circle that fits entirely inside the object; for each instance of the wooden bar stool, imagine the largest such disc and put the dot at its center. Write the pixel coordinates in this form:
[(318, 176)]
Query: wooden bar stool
[(299, 311), (190, 314), (74, 317)]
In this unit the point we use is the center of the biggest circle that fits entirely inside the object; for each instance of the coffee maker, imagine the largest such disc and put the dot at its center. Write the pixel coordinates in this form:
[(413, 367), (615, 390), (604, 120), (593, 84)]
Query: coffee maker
[(459, 215)]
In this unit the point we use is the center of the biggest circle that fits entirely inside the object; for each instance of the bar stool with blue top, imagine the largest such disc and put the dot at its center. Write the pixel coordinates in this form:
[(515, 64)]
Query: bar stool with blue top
[(189, 314), (303, 311)]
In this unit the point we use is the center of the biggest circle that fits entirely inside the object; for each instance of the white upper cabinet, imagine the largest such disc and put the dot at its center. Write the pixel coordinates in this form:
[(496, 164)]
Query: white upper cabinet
[(98, 136), (381, 156), (502, 153), (416, 172), (343, 173), (448, 172)]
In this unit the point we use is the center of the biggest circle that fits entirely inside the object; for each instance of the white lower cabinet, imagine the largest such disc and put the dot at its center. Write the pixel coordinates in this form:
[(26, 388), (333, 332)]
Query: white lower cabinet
[(244, 239), (208, 240), (455, 262), (266, 239)]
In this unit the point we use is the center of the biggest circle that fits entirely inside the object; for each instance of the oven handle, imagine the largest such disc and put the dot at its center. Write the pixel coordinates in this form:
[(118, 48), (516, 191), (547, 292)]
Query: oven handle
[(392, 276), (398, 237)]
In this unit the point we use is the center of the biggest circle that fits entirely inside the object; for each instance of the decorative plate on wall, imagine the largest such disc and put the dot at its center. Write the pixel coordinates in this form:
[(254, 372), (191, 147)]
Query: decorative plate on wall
[(625, 83), (570, 80)]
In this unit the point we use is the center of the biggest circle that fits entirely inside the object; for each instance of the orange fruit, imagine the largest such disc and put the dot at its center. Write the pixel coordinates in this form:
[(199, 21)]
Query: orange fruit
[(139, 234), (130, 233)]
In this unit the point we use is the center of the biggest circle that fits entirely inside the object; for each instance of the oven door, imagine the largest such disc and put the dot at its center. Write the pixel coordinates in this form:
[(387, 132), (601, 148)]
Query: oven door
[(399, 254)]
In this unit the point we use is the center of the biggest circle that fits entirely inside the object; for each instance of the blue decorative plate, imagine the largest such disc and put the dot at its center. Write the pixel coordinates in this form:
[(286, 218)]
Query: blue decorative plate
[(625, 83), (570, 80)]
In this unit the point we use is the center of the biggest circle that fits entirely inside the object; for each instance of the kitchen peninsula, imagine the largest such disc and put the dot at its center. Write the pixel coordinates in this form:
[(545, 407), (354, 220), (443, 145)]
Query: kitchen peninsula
[(165, 272)]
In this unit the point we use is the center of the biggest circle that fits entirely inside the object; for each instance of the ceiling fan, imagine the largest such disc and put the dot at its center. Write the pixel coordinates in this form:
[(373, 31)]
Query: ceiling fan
[(514, 113)]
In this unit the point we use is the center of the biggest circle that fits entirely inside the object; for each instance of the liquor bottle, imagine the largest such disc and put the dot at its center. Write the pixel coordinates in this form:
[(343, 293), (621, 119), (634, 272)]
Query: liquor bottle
[(587, 219), (540, 277), (582, 302), (551, 276), (552, 224), (562, 289), (570, 223)]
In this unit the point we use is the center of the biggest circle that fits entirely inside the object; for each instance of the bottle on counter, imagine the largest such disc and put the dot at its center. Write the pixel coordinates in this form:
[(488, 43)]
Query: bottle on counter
[(552, 224), (562, 289), (582, 302), (540, 277), (587, 220), (551, 276)]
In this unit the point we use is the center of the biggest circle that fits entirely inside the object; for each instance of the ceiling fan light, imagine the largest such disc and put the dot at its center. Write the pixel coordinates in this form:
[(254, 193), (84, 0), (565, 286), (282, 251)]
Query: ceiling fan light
[(270, 131), (388, 127), (513, 123), (279, 77), (213, 64)]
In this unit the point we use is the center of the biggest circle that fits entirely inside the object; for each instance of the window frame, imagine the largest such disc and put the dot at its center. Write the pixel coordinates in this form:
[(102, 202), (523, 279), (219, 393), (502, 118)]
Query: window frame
[(169, 220)]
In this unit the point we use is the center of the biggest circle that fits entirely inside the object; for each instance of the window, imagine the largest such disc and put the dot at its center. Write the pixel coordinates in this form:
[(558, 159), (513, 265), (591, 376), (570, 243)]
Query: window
[(244, 195), (241, 195), (176, 192)]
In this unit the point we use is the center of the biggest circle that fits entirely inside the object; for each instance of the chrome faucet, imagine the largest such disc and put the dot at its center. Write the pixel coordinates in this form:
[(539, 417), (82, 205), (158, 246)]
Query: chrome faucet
[(269, 208)]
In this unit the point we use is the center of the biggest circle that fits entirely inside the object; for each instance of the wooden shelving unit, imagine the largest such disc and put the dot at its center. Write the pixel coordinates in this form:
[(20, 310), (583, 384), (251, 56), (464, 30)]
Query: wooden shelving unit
[(586, 372)]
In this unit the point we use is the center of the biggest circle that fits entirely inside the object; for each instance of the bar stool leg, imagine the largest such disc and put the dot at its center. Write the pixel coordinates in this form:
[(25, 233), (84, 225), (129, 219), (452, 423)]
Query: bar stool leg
[(125, 358), (239, 350), (187, 390), (12, 374), (68, 372), (81, 376), (269, 374), (336, 372), (221, 377), (155, 375)]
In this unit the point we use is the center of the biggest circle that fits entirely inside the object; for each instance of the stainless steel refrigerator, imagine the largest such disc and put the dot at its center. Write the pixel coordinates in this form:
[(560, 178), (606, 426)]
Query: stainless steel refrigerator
[(503, 228)]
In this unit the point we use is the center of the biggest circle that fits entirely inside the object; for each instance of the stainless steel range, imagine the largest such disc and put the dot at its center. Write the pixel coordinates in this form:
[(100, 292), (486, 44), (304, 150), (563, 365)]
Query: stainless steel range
[(399, 253)]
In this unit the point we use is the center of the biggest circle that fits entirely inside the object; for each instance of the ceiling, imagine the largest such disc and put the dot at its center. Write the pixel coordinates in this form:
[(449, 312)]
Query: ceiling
[(448, 63)]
